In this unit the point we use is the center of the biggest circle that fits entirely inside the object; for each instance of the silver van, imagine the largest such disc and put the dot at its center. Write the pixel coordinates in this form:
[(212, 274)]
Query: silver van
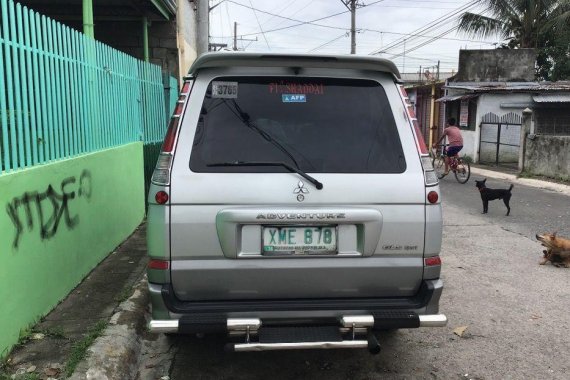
[(294, 205)]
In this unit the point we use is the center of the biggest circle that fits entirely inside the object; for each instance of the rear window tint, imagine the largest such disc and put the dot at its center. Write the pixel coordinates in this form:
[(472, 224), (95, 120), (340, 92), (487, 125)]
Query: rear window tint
[(325, 125)]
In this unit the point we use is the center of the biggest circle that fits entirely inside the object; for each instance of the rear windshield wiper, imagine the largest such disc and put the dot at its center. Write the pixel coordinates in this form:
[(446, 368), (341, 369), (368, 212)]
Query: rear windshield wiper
[(292, 169), (246, 120)]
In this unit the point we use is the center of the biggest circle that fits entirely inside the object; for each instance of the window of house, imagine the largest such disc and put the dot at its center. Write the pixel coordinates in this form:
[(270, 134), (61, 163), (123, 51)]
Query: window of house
[(553, 121)]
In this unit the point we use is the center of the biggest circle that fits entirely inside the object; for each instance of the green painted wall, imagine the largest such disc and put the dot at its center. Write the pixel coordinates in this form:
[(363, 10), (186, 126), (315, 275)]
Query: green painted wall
[(71, 214)]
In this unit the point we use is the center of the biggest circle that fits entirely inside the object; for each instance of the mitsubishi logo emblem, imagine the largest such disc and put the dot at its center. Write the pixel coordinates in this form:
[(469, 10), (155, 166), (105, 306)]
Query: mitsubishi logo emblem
[(300, 190)]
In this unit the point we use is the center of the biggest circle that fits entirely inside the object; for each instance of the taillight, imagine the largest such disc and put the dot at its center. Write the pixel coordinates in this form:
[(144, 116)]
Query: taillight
[(168, 145), (161, 175), (420, 143), (158, 264), (186, 87), (433, 197), (429, 173), (161, 197), (179, 105), (432, 261)]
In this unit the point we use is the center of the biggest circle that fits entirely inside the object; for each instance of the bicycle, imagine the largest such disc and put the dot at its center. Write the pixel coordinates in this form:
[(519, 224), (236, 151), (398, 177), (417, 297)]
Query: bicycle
[(461, 168)]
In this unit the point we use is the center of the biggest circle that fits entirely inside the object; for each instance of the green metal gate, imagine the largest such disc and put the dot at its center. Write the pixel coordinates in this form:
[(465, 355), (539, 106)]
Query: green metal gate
[(65, 94)]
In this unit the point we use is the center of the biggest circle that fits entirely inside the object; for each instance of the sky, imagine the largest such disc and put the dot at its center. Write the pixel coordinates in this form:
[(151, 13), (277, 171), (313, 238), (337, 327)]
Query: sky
[(382, 26)]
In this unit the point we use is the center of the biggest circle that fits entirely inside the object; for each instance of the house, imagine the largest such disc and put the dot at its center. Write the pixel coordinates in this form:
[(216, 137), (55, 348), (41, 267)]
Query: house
[(488, 96), (423, 89)]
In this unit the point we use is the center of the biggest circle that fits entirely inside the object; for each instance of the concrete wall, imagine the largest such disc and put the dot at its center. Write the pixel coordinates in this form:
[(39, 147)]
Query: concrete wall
[(497, 65), (548, 156), (58, 221), (127, 36), (470, 143)]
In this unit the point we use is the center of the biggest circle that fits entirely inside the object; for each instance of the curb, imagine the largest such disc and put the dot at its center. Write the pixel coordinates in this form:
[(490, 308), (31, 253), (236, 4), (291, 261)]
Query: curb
[(557, 187), (115, 354)]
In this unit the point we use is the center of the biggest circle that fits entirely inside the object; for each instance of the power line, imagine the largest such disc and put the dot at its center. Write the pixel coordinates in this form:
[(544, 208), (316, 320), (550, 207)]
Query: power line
[(291, 2), (312, 22), (328, 42), (425, 36), (430, 25), (260, 28), (424, 43), (299, 22)]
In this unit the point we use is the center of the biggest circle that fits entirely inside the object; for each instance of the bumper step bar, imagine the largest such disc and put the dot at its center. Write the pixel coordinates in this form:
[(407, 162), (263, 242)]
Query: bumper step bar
[(244, 347), (349, 332)]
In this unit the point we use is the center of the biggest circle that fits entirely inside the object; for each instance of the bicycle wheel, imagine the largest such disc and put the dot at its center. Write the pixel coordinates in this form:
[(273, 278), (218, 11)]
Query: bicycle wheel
[(463, 171), (439, 166)]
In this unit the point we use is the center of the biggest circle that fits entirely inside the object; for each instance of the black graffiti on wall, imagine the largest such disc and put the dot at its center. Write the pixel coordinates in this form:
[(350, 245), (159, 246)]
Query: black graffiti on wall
[(46, 210)]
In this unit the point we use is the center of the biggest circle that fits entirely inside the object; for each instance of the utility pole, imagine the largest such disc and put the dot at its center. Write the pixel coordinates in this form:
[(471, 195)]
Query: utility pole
[(432, 126), (351, 6), (236, 39), (235, 35), (404, 64), (352, 26), (203, 20)]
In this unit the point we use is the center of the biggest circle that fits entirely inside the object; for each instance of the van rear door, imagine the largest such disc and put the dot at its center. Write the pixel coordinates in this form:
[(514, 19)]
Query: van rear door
[(264, 232)]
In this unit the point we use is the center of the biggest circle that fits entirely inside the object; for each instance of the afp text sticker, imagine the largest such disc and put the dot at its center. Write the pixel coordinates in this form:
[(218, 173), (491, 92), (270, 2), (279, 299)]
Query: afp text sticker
[(294, 98), (225, 90)]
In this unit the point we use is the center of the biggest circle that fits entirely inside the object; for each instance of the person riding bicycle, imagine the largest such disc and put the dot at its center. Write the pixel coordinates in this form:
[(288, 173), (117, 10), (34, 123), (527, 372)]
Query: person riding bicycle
[(455, 142)]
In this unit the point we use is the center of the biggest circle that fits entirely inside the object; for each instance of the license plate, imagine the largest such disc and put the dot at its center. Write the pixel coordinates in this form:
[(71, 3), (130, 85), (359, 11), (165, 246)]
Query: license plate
[(299, 240)]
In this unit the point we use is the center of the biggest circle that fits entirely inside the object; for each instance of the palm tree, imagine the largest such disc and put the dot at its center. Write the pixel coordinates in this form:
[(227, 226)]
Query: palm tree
[(541, 24)]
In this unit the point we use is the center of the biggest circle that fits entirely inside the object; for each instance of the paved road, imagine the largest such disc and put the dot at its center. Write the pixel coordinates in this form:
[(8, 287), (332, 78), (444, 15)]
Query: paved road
[(532, 210), (517, 313)]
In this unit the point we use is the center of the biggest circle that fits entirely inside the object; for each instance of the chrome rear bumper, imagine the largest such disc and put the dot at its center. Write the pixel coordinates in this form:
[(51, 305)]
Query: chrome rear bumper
[(239, 324), (433, 320)]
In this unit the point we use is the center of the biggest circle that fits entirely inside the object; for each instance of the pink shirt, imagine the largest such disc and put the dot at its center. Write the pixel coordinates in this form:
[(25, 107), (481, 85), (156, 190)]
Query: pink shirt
[(454, 137)]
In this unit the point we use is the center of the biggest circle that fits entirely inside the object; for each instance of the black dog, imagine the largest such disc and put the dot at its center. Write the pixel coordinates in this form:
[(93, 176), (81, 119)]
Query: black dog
[(492, 194)]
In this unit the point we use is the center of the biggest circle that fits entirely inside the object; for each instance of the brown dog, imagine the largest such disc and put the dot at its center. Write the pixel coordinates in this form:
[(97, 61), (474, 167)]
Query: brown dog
[(557, 250)]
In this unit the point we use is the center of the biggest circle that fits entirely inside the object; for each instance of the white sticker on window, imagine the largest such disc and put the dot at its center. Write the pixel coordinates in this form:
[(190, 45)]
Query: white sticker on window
[(226, 90)]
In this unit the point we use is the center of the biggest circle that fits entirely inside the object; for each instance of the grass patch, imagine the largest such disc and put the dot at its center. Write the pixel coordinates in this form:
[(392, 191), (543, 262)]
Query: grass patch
[(80, 348), (25, 376), (25, 334), (124, 294), (54, 332), (565, 180)]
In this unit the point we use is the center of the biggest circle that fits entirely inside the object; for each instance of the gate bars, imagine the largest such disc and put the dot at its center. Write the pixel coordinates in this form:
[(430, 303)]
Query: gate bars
[(64, 94)]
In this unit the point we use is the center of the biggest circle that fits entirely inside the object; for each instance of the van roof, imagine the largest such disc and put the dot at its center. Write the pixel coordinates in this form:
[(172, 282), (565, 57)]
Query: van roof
[(227, 59)]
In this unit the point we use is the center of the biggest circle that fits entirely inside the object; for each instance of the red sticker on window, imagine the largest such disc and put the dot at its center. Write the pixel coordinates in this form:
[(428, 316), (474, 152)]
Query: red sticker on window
[(283, 87)]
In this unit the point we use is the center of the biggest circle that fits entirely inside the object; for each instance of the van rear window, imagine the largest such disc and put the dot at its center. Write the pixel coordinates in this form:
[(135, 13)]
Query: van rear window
[(321, 125)]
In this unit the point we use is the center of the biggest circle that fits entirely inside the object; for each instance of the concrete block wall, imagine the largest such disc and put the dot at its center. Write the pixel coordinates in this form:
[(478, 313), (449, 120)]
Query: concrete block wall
[(548, 156), (127, 37), (58, 221), (496, 65)]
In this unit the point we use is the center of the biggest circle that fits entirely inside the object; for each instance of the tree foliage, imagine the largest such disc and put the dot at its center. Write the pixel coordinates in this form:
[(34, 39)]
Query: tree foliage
[(540, 24)]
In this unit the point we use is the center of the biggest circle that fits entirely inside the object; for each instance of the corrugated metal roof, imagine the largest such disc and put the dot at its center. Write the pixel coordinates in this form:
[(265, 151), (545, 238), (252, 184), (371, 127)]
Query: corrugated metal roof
[(450, 98), (552, 98), (510, 86)]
